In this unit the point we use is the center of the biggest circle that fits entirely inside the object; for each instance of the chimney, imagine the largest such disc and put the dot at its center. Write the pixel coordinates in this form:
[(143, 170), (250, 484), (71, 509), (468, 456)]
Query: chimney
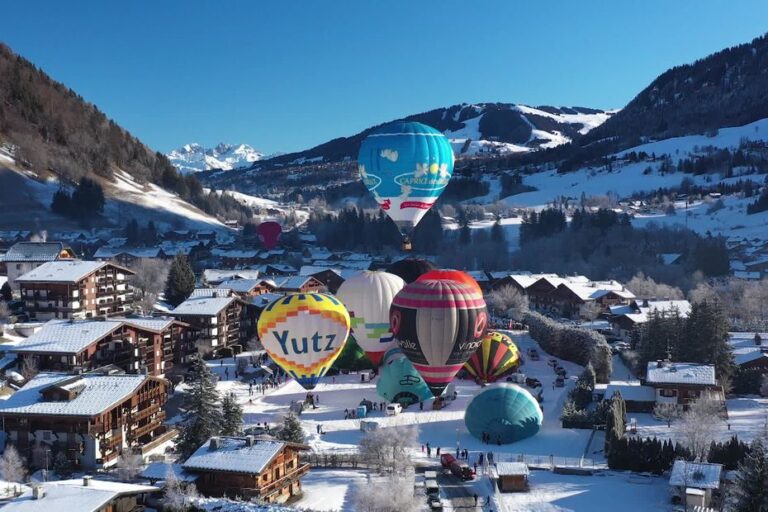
[(87, 480), (38, 492), (214, 444), (250, 441)]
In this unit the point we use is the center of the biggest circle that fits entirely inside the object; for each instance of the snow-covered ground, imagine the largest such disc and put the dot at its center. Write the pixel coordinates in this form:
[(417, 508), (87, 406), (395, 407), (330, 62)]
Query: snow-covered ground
[(603, 492)]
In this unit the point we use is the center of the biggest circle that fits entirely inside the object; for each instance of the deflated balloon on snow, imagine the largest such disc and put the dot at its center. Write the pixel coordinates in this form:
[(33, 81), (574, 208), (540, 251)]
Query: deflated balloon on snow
[(304, 333), (399, 382), (506, 412), (406, 166)]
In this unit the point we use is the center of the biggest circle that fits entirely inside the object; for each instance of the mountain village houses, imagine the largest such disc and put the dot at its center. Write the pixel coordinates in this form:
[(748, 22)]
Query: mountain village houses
[(23, 257)]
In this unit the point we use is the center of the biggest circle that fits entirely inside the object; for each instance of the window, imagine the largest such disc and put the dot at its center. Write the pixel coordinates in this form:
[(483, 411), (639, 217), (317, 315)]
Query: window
[(46, 435), (668, 393)]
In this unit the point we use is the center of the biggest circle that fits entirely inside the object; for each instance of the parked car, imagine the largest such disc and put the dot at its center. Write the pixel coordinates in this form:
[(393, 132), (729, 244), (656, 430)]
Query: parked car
[(532, 383), (394, 409), (533, 354), (560, 382)]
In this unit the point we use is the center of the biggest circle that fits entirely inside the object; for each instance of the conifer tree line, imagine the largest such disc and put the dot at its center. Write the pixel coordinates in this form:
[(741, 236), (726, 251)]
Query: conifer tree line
[(702, 338), (83, 203), (580, 346), (181, 281), (206, 413)]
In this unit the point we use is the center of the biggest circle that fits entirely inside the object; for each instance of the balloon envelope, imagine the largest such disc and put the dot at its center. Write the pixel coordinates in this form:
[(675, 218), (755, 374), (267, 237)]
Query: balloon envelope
[(368, 296), (454, 275), (409, 269), (399, 381), (496, 356), (439, 325), (304, 333), (406, 166), (268, 232), (506, 412)]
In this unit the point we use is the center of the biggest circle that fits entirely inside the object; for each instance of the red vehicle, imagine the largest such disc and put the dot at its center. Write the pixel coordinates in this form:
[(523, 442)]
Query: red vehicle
[(460, 469)]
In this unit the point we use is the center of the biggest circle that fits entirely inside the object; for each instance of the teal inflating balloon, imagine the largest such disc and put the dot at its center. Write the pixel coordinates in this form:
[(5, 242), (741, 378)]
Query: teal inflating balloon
[(399, 381), (506, 412), (406, 166)]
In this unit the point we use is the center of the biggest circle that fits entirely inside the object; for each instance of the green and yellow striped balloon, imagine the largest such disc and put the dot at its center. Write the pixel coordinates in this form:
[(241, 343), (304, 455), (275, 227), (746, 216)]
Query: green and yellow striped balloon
[(496, 356)]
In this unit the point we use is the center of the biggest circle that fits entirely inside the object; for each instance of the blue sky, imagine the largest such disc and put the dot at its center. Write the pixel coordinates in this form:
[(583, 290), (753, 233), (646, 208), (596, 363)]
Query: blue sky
[(286, 75)]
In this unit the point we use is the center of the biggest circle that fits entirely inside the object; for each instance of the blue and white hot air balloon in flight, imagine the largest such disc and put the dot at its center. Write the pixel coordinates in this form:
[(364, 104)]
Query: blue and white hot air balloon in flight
[(406, 166)]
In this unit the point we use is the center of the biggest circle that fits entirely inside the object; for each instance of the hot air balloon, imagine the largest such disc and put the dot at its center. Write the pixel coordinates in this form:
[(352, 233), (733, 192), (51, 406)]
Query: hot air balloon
[(453, 275), (406, 166), (409, 269), (496, 356), (368, 297), (268, 233), (505, 412), (352, 357), (304, 333), (439, 324), (399, 382)]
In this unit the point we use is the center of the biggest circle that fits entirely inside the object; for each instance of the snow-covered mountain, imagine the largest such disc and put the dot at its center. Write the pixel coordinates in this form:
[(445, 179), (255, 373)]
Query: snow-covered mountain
[(195, 158)]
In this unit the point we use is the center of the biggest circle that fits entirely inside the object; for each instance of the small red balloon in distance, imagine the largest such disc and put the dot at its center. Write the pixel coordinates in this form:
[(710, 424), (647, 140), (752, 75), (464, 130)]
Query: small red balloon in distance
[(450, 275), (268, 233)]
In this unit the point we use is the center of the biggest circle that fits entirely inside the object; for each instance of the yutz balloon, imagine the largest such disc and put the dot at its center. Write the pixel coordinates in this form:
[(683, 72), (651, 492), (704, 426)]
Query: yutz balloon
[(304, 333), (406, 166), (368, 297), (438, 324), (269, 232)]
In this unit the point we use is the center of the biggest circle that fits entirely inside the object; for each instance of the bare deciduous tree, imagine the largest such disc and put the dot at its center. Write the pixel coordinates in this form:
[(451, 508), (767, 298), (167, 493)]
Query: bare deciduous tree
[(129, 465), (148, 282), (398, 497), (509, 301), (389, 448), (178, 495), (667, 412), (646, 288), (590, 310), (12, 468), (700, 424)]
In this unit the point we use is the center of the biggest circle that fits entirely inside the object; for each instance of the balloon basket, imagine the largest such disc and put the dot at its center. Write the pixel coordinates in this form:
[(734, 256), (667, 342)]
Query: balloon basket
[(406, 244)]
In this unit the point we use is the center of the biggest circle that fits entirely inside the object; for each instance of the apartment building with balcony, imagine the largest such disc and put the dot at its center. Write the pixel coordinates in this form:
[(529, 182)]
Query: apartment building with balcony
[(91, 418), (220, 318), (76, 289), (136, 345)]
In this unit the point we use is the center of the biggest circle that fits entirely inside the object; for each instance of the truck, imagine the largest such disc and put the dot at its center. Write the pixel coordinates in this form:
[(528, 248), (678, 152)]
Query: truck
[(458, 468)]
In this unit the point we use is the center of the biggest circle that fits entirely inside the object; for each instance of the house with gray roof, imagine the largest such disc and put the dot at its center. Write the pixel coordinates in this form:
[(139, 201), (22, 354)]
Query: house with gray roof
[(221, 319), (681, 383), (25, 256)]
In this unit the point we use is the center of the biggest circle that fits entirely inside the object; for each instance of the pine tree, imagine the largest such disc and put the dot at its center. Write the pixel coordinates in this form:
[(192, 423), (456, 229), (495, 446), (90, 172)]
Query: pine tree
[(497, 233), (291, 430), (62, 202), (231, 416), (705, 338), (6, 293), (132, 232), (62, 466), (751, 490), (181, 281), (202, 417)]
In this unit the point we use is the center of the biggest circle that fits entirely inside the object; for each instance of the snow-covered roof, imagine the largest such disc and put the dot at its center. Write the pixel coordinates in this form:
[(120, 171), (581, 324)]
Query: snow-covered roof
[(511, 468), (240, 285), (62, 271), (632, 391), (208, 306), (72, 495), (749, 276), (670, 257), (234, 456), (265, 298), (697, 475), (135, 252), (98, 394), (33, 251), (210, 292), (737, 265), (292, 282), (155, 324), (308, 270), (680, 373), (644, 308), (235, 253), (159, 471), (478, 275), (280, 267), (743, 346), (213, 275), (67, 336)]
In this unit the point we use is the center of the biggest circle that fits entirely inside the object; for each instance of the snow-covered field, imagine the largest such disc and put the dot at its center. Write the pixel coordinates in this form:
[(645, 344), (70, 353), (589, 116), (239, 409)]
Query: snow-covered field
[(603, 492)]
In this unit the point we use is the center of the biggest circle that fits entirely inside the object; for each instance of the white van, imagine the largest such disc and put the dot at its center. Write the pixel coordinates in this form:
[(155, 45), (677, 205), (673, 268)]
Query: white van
[(394, 409)]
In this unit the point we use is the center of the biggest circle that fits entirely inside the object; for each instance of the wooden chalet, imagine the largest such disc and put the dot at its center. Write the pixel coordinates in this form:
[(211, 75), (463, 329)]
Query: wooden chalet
[(247, 467), (681, 383), (91, 418), (221, 319), (85, 494), (76, 289)]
